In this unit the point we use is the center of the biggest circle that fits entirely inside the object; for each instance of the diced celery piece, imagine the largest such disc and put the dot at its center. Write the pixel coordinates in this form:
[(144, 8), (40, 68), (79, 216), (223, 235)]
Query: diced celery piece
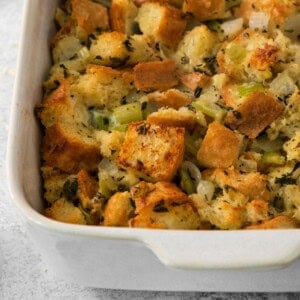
[(120, 127), (186, 182), (210, 109), (191, 145), (213, 25), (245, 90), (236, 53), (273, 158), (100, 119), (127, 113)]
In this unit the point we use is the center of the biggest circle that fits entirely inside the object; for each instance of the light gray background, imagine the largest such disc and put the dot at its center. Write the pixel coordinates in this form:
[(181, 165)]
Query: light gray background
[(22, 272)]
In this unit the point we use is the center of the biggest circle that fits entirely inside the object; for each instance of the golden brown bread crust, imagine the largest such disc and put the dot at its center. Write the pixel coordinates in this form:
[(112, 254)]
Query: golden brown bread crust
[(156, 151), (195, 80), (170, 98), (155, 75), (219, 148), (204, 9), (279, 222), (68, 151), (256, 112)]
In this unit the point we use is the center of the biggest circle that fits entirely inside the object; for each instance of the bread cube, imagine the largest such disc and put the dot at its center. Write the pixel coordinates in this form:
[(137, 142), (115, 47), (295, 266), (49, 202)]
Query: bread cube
[(118, 210), (204, 9), (155, 75), (154, 150), (70, 149), (122, 15), (164, 22), (220, 147), (163, 205), (103, 87), (256, 112), (257, 211), (279, 222)]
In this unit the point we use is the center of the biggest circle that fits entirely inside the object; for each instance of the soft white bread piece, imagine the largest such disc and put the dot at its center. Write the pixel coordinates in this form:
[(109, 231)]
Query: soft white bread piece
[(196, 46), (255, 113), (154, 150), (155, 75), (204, 9), (220, 147), (103, 87), (164, 22), (122, 15)]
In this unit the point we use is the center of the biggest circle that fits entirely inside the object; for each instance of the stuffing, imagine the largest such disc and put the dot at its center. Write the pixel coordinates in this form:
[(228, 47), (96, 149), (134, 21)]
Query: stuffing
[(118, 210), (160, 75), (257, 211), (255, 113), (279, 222), (252, 185), (163, 205), (64, 211), (103, 87), (292, 147), (122, 15), (164, 22), (154, 150), (249, 57), (195, 52), (220, 147), (174, 118), (204, 9)]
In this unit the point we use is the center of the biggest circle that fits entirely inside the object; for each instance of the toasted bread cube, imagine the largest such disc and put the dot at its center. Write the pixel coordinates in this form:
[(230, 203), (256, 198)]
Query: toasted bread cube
[(249, 57), (195, 80), (170, 98), (87, 188), (175, 118), (257, 211), (156, 151), (122, 15), (195, 48), (252, 185), (109, 49), (204, 9), (220, 147), (64, 211), (163, 205), (155, 75), (256, 112), (118, 210), (66, 148), (279, 222), (89, 16), (103, 86), (164, 22)]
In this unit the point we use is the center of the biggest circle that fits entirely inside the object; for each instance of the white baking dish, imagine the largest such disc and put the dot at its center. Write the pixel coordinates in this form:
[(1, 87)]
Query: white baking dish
[(122, 257)]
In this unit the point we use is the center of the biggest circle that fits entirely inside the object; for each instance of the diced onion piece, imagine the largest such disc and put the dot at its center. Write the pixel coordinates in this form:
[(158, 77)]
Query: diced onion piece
[(273, 158), (206, 189), (282, 85), (84, 53), (192, 170), (259, 20), (232, 27)]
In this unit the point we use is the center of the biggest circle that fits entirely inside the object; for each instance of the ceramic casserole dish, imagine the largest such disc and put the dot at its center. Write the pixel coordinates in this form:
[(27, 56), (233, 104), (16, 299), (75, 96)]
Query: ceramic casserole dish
[(127, 258)]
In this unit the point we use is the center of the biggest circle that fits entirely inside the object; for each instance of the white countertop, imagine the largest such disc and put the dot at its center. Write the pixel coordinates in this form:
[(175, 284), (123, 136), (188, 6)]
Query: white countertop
[(23, 274)]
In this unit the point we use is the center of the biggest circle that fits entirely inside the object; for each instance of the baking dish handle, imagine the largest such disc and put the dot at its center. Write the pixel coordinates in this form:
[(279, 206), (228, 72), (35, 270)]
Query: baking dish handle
[(224, 249)]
